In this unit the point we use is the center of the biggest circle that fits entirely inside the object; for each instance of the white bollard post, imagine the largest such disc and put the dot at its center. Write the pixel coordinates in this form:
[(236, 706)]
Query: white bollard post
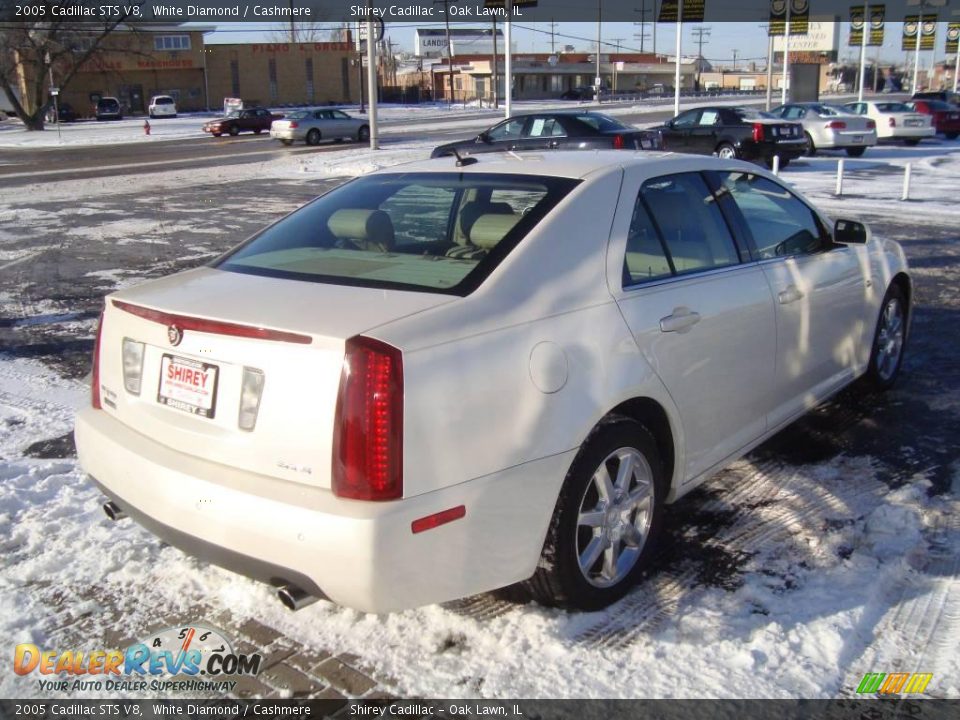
[(776, 165), (906, 182), (839, 188)]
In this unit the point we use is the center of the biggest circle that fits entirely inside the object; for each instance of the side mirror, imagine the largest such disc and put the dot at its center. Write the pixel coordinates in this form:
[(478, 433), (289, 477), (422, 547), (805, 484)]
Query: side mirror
[(483, 137), (849, 232), (669, 124)]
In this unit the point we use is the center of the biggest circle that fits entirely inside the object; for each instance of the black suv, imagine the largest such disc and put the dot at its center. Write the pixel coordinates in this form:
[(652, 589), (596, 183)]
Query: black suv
[(108, 108)]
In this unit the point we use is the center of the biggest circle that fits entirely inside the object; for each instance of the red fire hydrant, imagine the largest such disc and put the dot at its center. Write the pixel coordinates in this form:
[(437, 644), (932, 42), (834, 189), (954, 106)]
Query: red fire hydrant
[(146, 127)]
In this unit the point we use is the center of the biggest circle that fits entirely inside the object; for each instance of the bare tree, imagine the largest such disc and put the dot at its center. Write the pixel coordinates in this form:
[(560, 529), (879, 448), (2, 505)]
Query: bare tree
[(30, 50)]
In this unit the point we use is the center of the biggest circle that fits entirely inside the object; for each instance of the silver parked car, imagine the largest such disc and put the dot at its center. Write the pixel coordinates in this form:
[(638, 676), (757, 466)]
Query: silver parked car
[(830, 127), (315, 125)]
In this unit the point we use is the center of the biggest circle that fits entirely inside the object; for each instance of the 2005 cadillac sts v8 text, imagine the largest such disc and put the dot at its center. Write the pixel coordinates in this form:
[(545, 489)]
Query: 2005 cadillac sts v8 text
[(453, 376)]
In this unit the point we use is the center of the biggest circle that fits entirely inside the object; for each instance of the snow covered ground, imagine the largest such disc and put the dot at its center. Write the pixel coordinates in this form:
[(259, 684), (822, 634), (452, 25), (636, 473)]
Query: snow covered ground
[(831, 551)]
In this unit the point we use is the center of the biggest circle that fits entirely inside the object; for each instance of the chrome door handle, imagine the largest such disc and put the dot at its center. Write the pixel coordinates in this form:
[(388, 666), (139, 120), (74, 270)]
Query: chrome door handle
[(682, 319), (790, 295)]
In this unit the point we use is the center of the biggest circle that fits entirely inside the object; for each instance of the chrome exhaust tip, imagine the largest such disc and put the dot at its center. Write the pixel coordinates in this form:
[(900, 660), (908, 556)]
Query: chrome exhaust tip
[(294, 598), (113, 511)]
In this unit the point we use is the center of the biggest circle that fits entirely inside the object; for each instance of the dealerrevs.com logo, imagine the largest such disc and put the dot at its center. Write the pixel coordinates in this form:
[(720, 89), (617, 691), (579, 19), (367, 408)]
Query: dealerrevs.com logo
[(201, 657)]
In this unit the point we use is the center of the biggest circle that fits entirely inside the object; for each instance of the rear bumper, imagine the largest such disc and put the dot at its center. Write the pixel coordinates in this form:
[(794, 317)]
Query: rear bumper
[(359, 554), (286, 134), (898, 133)]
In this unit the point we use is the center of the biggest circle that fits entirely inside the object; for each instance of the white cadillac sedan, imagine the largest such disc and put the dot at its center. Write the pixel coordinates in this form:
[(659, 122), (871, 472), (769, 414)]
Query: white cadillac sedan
[(895, 121), (453, 376), (830, 127)]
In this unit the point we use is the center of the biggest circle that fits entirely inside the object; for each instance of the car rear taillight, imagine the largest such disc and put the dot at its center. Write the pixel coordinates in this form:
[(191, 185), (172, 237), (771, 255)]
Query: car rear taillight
[(836, 125), (871, 125), (132, 365), (368, 430), (293, 125), (758, 132), (618, 142), (251, 390), (892, 122), (95, 380)]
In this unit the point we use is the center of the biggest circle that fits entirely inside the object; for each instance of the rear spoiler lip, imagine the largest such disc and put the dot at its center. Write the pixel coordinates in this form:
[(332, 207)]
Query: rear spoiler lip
[(215, 327)]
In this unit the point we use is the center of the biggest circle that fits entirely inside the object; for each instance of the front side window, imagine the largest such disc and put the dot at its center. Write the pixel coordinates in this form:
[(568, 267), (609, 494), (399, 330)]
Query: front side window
[(433, 232), (693, 230), (544, 127), (779, 224)]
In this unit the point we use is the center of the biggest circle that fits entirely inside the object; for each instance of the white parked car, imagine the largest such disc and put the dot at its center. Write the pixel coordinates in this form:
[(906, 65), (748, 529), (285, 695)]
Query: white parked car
[(829, 127), (452, 376), (895, 121), (312, 126), (162, 106)]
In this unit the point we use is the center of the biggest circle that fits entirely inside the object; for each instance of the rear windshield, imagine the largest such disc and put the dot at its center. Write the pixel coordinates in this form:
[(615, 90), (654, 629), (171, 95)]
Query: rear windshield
[(601, 122), (163, 101), (434, 232), (892, 107), (299, 114), (752, 114), (108, 103)]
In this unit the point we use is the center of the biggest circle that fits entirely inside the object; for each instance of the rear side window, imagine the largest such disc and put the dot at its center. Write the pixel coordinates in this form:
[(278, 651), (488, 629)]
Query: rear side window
[(646, 259), (694, 233), (435, 232), (779, 224)]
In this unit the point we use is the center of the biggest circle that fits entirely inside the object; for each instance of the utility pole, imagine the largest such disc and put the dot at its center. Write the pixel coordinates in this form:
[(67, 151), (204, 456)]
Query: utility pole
[(643, 22), (614, 63), (599, 27), (676, 68), (553, 38), (446, 20), (508, 62), (496, 75), (786, 58), (372, 84), (916, 57), (699, 35), (735, 53)]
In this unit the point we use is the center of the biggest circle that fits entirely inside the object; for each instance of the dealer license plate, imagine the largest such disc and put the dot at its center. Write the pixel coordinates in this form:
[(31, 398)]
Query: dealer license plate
[(858, 138), (914, 123), (188, 385)]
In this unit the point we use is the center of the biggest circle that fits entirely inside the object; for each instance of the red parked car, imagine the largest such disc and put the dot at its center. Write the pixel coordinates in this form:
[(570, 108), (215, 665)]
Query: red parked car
[(946, 117), (254, 120)]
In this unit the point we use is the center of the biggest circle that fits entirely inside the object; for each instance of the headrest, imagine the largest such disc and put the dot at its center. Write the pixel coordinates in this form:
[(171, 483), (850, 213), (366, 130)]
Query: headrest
[(491, 228), (362, 224), (475, 208)]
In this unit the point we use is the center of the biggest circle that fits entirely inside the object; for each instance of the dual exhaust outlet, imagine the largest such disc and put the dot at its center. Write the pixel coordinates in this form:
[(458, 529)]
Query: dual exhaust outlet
[(293, 597)]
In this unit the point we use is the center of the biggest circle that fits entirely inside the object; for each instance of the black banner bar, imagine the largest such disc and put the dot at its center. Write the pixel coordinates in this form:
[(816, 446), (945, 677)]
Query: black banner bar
[(428, 12), (894, 708)]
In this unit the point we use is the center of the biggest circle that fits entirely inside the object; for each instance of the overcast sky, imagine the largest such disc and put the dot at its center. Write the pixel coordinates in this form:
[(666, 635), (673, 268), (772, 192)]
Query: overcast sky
[(748, 39)]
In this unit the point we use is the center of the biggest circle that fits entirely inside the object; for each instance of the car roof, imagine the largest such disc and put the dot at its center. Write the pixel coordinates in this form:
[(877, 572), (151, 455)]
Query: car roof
[(576, 164)]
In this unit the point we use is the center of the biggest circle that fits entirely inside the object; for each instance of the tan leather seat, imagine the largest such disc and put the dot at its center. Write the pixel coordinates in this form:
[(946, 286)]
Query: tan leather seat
[(363, 229), (468, 248)]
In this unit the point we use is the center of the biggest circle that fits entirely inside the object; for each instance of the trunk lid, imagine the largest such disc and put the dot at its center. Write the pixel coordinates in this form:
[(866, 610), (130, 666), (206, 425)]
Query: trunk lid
[(291, 332)]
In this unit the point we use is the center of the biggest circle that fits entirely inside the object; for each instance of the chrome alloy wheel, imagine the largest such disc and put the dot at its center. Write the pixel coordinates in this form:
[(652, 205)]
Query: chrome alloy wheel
[(890, 339), (727, 153), (614, 517)]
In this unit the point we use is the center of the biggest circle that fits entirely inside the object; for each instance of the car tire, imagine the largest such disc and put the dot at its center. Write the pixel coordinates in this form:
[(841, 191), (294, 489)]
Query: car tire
[(287, 142), (363, 134), (811, 148), (234, 130), (856, 151), (911, 142), (951, 135), (586, 565), (726, 151), (216, 134), (313, 137), (257, 131), (889, 341)]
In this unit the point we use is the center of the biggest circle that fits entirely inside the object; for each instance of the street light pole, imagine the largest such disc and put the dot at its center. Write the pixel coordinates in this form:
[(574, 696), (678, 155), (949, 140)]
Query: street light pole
[(599, 25), (916, 56), (508, 62), (372, 83), (676, 73), (863, 50), (786, 58)]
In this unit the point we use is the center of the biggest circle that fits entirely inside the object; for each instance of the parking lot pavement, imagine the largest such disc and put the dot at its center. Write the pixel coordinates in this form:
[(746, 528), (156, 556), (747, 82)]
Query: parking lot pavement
[(770, 534)]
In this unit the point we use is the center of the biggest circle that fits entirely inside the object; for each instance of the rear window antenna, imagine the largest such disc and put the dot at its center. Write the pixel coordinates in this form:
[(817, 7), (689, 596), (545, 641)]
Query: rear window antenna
[(462, 161)]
